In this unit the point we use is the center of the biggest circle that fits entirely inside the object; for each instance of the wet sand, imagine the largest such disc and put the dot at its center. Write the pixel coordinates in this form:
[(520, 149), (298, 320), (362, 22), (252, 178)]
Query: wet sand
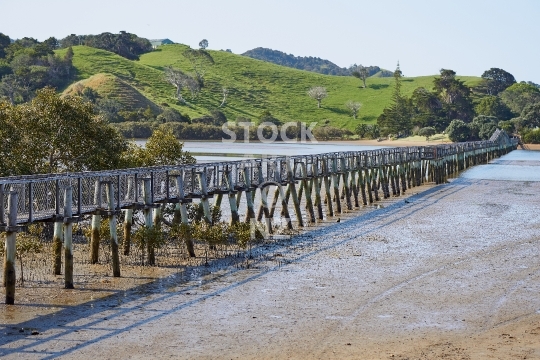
[(450, 272)]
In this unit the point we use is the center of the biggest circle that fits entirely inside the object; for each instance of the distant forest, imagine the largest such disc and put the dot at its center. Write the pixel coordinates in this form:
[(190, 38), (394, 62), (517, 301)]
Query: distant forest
[(309, 63)]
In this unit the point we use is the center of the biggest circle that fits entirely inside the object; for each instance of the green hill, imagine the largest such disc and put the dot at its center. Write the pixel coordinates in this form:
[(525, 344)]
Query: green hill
[(254, 86), (111, 86)]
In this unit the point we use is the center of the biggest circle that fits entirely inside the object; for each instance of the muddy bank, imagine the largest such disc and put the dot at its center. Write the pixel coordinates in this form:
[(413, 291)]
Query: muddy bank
[(451, 272)]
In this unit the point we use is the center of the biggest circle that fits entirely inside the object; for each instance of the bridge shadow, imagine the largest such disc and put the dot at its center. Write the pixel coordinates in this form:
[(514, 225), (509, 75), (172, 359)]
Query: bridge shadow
[(68, 330)]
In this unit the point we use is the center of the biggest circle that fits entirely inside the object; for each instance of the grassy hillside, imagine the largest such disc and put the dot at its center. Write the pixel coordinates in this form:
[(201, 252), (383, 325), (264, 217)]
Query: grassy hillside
[(254, 86), (108, 85)]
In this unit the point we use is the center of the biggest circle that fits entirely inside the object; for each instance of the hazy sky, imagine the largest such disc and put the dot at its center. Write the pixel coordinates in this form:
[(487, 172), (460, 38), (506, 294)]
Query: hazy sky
[(468, 36)]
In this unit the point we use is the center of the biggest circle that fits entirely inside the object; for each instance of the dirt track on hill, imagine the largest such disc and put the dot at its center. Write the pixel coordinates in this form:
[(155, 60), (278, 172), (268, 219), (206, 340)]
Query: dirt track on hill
[(452, 272)]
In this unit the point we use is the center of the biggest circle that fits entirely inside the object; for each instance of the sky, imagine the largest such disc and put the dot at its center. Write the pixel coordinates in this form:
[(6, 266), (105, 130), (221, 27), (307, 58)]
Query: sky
[(467, 36)]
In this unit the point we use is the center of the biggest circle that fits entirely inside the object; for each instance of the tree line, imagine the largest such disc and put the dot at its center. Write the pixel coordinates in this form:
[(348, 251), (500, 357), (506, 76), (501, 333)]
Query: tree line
[(124, 44), (464, 113), (52, 134), (27, 65)]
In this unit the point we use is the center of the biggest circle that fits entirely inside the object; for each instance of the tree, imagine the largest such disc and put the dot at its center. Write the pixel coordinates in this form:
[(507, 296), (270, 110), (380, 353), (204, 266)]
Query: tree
[(483, 126), (519, 95), (193, 86), (361, 130), (162, 148), (5, 41), (531, 115), (455, 96), (178, 79), (225, 93), (354, 107), (266, 116), (360, 72), (458, 131), (396, 119), (60, 134), (374, 131), (203, 44), (171, 115), (427, 110), (496, 80), (493, 106), (200, 60), (318, 93), (427, 132)]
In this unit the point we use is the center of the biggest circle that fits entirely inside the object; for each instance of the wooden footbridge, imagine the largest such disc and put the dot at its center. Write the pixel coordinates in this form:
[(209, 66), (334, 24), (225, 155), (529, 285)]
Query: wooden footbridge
[(310, 187)]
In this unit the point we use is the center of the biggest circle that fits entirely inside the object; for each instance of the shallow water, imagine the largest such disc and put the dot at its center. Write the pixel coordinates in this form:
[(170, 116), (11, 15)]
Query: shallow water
[(207, 151), (519, 165)]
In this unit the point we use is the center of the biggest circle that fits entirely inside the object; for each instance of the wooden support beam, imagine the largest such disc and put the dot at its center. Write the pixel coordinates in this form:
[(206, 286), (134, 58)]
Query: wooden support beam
[(180, 213), (266, 211), (68, 238), (204, 196), (112, 230), (318, 200), (128, 220), (95, 226), (147, 196), (326, 182), (294, 195), (306, 185), (285, 208), (346, 184), (274, 202), (354, 188), (57, 245), (10, 248), (232, 201), (335, 183), (250, 213), (375, 187), (362, 186)]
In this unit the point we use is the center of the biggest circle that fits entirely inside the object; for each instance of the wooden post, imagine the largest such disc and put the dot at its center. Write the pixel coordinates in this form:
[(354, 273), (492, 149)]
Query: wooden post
[(375, 188), (318, 200), (294, 194), (232, 201), (95, 226), (274, 202), (204, 196), (112, 227), (147, 196), (68, 238), (368, 182), (362, 186), (128, 220), (10, 246), (309, 203), (264, 204), (285, 209), (250, 214), (335, 183), (57, 244), (180, 213), (346, 187), (326, 182), (354, 188)]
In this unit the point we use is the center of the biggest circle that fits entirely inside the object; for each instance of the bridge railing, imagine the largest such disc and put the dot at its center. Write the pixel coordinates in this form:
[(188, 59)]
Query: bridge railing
[(42, 196)]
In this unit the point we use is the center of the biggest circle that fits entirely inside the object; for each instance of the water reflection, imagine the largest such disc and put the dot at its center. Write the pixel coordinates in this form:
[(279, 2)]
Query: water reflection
[(519, 165)]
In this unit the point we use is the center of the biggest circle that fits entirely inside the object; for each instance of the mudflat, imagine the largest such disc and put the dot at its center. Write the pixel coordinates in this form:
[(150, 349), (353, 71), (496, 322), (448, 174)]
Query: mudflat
[(451, 271)]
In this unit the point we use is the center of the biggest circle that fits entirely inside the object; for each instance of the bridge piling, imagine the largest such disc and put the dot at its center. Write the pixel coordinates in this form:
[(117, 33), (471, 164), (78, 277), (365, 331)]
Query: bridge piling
[(95, 225), (10, 248), (112, 230), (68, 238)]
